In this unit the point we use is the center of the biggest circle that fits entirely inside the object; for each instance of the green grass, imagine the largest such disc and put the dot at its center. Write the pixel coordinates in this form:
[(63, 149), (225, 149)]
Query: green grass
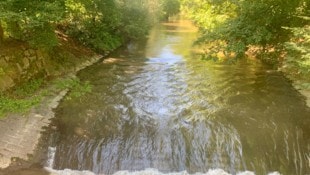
[(28, 95), (11, 105), (21, 99), (77, 88), (28, 89)]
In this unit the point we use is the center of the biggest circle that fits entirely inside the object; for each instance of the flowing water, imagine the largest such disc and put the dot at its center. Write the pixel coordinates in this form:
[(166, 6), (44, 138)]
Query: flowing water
[(158, 105)]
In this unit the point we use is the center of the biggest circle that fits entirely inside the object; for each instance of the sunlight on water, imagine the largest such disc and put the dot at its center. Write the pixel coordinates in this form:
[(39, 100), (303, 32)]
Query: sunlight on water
[(50, 157), (156, 108), (150, 172)]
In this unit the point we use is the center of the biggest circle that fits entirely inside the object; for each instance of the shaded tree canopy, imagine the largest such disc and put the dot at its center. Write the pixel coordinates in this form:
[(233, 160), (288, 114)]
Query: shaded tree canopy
[(239, 24), (102, 25), (170, 8), (275, 31)]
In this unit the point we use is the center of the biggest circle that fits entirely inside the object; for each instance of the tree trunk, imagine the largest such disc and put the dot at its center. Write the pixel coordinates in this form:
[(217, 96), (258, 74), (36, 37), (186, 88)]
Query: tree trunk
[(1, 33)]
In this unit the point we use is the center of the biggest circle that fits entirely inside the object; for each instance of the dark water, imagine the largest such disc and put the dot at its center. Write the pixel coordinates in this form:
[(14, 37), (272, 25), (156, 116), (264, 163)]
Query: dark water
[(158, 105)]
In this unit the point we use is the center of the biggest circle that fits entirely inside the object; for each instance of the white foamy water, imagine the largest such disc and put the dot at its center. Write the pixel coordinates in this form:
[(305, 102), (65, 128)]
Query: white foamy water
[(50, 157), (150, 171)]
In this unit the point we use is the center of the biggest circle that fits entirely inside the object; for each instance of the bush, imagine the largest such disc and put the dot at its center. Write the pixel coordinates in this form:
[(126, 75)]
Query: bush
[(21, 99), (297, 59), (76, 87), (240, 24)]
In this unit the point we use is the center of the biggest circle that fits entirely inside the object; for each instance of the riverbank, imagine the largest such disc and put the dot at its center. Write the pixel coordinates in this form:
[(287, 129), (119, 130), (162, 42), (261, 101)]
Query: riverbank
[(303, 91), (300, 82), (20, 133)]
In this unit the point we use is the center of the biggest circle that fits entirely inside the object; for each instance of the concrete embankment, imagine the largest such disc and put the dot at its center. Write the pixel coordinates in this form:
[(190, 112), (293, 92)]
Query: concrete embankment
[(20, 134), (306, 94)]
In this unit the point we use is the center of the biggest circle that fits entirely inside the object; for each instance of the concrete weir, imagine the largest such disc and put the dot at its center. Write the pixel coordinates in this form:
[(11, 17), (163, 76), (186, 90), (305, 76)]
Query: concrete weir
[(20, 133)]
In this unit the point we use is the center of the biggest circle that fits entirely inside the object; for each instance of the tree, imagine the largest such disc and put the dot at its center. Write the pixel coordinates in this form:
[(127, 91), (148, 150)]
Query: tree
[(104, 25), (297, 60), (1, 33), (100, 24), (170, 8), (238, 24), (25, 19)]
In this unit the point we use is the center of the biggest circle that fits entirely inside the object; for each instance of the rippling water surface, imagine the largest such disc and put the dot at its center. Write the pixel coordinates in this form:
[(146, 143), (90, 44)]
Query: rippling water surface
[(157, 105)]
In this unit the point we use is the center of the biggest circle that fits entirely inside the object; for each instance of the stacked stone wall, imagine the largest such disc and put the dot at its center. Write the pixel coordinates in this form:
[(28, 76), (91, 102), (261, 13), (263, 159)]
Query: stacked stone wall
[(21, 65)]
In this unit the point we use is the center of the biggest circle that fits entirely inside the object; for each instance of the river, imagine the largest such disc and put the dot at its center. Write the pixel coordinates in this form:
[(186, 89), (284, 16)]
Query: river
[(156, 107)]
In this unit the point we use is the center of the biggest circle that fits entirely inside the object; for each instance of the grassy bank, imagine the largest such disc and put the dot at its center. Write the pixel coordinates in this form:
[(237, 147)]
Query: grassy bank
[(30, 94)]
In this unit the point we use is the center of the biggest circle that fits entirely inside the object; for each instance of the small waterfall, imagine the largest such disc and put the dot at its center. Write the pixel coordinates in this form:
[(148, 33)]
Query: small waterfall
[(50, 157)]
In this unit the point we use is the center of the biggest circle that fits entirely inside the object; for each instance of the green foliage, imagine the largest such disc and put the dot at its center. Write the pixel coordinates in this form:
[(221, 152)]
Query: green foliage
[(102, 25), (42, 37), (105, 25), (32, 21), (76, 87), (240, 24), (135, 22), (170, 8), (27, 88), (298, 51), (92, 22), (29, 95), (11, 105), (208, 14), (21, 99)]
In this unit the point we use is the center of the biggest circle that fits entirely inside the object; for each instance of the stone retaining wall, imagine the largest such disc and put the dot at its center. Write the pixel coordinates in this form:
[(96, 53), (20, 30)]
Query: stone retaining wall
[(20, 66), (20, 63)]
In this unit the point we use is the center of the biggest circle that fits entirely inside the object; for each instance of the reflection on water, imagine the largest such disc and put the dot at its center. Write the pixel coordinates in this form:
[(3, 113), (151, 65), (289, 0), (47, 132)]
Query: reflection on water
[(157, 105)]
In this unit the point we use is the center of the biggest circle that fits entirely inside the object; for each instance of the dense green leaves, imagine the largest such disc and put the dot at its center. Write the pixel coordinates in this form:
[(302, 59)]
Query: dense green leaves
[(208, 14), (170, 8), (298, 58), (276, 31), (240, 24), (31, 21), (92, 22), (102, 25)]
